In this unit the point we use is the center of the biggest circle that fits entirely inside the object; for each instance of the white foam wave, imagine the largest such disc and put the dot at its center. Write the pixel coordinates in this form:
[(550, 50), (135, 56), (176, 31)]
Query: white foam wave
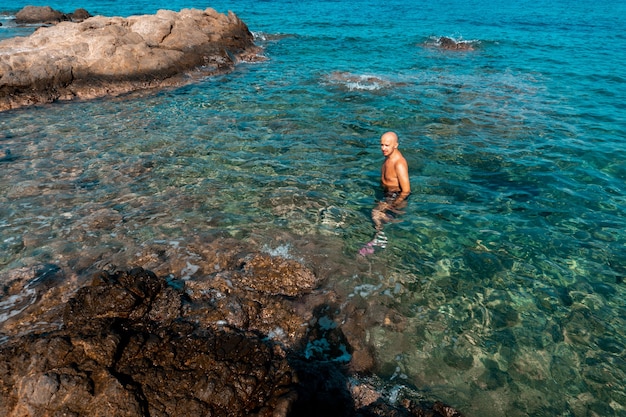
[(452, 43), (358, 82)]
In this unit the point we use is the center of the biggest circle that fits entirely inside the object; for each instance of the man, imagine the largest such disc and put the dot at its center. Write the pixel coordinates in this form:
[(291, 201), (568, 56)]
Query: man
[(394, 177), (395, 171)]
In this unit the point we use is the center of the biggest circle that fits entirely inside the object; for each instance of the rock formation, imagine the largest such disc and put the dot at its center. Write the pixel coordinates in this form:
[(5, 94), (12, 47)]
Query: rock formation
[(103, 56), (47, 15), (450, 44), (135, 344)]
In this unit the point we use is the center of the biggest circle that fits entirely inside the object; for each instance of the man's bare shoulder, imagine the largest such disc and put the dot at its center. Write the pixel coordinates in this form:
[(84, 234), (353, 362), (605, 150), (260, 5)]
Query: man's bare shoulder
[(400, 160)]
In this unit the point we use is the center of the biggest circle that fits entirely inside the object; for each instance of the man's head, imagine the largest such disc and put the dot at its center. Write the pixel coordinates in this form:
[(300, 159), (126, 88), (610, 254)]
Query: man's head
[(388, 143)]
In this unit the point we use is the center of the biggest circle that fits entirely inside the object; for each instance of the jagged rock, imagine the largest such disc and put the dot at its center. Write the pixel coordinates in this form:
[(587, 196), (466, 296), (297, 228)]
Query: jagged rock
[(274, 275), (124, 349), (453, 45), (132, 344), (103, 56)]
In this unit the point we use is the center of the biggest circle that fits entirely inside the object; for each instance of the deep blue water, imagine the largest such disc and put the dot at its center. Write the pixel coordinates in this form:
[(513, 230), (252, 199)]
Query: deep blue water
[(508, 264)]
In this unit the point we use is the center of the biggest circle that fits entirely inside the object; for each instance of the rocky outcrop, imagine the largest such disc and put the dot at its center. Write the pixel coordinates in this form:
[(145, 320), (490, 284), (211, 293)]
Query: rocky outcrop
[(47, 15), (450, 44), (124, 350), (135, 344), (103, 56)]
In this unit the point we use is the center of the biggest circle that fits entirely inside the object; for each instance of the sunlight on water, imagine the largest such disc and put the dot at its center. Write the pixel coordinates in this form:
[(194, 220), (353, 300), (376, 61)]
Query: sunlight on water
[(501, 288)]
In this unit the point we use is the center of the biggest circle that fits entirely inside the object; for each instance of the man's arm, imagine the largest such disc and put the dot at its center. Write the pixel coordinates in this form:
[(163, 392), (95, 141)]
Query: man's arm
[(402, 171)]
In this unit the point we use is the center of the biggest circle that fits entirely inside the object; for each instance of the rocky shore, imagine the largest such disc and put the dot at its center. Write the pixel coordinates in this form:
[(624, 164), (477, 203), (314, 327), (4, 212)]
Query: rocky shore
[(257, 336), (212, 327), (84, 57)]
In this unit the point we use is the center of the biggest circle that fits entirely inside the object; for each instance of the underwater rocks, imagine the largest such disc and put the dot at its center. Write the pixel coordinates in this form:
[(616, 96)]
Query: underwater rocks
[(102, 56), (449, 44), (136, 344), (453, 45)]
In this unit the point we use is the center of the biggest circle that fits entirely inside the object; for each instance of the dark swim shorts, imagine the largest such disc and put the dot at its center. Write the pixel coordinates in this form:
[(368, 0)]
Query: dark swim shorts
[(392, 196)]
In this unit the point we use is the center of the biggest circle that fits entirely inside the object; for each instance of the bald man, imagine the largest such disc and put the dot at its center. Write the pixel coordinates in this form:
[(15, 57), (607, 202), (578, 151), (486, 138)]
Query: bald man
[(395, 171), (394, 177)]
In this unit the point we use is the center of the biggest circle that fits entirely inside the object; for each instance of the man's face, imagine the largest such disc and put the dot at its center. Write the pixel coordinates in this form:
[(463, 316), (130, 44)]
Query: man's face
[(388, 145)]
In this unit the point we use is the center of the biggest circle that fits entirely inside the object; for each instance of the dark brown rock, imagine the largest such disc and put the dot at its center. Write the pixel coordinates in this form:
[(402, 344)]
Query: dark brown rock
[(452, 45), (274, 275), (45, 15), (133, 344), (79, 15), (37, 14), (124, 350)]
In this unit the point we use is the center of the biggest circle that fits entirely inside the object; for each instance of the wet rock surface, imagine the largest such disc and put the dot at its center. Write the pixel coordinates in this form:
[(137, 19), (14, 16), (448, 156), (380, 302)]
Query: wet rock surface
[(449, 44), (88, 57), (230, 343)]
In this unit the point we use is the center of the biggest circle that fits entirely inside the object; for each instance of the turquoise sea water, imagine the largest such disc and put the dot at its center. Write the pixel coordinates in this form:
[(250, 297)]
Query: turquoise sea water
[(507, 267)]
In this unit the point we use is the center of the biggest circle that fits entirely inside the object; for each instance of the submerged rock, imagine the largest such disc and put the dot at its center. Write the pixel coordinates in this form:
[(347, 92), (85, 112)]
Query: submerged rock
[(8, 156), (450, 44), (134, 344), (104, 56)]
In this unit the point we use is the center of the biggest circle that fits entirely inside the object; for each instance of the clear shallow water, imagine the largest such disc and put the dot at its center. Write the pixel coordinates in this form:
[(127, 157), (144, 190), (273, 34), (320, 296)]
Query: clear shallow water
[(506, 269)]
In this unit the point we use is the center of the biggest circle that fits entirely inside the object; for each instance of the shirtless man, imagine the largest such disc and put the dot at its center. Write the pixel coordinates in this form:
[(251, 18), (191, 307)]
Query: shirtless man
[(394, 177)]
